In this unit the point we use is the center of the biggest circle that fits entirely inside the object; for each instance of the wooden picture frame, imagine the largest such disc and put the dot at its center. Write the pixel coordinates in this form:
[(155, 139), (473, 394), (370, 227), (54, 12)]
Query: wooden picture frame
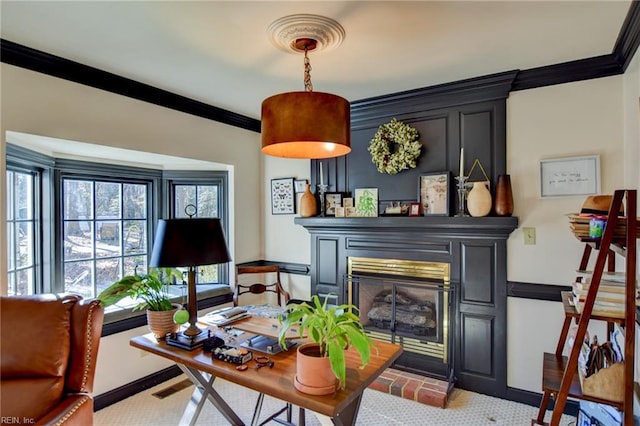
[(283, 200), (434, 193), (414, 209), (333, 200)]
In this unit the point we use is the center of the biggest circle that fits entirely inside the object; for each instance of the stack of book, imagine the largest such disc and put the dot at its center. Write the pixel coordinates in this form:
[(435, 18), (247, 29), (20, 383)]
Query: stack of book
[(610, 298), (579, 225)]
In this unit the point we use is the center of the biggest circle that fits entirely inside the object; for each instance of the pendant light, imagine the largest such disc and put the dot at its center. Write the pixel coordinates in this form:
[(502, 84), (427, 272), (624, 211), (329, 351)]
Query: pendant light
[(306, 124)]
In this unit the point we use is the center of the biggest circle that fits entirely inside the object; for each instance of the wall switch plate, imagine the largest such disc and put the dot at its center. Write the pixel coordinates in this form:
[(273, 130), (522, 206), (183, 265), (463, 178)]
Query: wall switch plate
[(529, 236)]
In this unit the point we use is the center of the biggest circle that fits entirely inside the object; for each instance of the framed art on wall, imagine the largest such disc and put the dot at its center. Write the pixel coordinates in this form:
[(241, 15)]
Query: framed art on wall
[(433, 193), (300, 184), (283, 200), (564, 177)]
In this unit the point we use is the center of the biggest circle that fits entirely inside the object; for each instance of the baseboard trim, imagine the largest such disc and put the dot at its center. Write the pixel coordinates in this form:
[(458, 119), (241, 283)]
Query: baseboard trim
[(533, 398), (130, 389)]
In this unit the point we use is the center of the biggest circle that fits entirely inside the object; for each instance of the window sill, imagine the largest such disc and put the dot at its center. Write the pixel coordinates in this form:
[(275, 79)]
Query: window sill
[(123, 319)]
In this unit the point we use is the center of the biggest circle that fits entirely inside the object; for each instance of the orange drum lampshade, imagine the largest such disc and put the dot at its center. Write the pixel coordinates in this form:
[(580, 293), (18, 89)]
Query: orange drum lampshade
[(306, 125)]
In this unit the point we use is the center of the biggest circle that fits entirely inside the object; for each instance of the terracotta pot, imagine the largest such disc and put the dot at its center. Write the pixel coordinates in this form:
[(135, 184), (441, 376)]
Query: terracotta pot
[(503, 205), (308, 205), (479, 200), (313, 372), (161, 323)]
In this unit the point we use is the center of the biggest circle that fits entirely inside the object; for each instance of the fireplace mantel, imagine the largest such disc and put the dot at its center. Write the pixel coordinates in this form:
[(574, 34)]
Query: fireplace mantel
[(440, 226), (475, 249)]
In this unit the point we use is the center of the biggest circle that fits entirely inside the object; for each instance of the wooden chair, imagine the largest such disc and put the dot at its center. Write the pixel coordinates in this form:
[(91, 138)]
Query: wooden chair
[(260, 288)]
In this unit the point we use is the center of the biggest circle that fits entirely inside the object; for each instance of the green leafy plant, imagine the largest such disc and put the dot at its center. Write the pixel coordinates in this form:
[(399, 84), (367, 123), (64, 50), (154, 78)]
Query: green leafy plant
[(149, 288), (334, 328)]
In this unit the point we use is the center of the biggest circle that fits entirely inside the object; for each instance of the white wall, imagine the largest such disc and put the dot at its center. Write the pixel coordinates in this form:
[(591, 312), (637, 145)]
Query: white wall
[(37, 104), (581, 118)]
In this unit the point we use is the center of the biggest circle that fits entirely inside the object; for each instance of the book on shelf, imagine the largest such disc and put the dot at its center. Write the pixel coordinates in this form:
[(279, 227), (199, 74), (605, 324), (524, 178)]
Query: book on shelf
[(602, 295), (617, 277)]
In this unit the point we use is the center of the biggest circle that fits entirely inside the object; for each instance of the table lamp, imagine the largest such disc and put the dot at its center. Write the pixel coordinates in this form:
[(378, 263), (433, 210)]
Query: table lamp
[(189, 242)]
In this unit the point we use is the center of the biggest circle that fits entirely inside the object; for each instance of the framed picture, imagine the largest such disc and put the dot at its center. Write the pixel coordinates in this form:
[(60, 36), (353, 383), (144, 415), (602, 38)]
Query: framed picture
[(331, 201), (350, 212), (347, 202), (433, 193), (564, 177), (300, 184), (366, 200), (283, 200), (339, 211), (414, 209)]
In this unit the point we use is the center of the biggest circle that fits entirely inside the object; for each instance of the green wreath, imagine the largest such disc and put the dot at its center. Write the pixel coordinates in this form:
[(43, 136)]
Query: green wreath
[(395, 147)]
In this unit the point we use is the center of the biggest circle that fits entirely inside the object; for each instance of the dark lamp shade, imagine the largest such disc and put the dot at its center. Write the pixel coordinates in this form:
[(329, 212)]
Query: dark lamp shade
[(310, 125), (189, 242)]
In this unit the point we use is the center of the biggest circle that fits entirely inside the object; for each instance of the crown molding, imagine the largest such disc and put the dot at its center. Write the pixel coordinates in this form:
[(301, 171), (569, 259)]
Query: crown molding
[(35, 60)]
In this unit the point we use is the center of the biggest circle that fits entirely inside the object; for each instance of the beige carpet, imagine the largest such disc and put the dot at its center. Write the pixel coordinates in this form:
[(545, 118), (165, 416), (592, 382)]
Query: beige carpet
[(377, 408)]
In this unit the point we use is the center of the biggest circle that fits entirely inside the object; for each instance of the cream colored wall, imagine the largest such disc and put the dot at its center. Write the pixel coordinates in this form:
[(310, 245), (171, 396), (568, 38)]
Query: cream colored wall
[(42, 105), (284, 240), (581, 118)]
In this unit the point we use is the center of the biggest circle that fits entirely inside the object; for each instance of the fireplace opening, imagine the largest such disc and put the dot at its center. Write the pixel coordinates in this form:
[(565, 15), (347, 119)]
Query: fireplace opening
[(408, 303)]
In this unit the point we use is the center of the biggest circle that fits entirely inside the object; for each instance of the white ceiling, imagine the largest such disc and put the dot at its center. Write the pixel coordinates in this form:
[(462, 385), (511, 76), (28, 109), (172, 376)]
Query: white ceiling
[(218, 52)]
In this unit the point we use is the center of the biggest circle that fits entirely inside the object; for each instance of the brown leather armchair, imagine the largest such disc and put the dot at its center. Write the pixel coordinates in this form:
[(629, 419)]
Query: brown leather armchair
[(48, 350)]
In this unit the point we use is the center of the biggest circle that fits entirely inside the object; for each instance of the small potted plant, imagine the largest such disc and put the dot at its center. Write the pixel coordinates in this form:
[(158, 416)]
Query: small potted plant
[(333, 330), (153, 295)]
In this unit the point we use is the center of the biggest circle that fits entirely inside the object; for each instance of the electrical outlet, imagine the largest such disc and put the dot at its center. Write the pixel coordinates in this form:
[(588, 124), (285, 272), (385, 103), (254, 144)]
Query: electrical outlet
[(529, 236)]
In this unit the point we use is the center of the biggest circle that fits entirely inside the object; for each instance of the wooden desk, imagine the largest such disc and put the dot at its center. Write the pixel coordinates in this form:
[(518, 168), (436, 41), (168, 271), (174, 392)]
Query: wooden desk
[(277, 381)]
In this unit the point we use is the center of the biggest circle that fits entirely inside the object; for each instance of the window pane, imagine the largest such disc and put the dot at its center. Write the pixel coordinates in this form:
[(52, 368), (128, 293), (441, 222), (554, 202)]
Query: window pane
[(135, 201), (78, 199), (78, 278), (184, 195), (207, 274), (10, 195), (107, 272), (107, 200), (78, 240), (12, 284), (25, 247), (24, 280), (11, 252), (207, 201), (133, 264), (135, 236), (21, 223), (108, 238), (23, 188)]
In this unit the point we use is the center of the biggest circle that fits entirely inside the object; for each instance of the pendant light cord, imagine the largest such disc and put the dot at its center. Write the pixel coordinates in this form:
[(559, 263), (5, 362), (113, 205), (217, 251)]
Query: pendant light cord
[(308, 87)]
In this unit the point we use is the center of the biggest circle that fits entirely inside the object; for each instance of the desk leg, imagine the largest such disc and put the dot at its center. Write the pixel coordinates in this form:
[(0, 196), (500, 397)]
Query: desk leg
[(347, 417), (209, 392), (191, 414)]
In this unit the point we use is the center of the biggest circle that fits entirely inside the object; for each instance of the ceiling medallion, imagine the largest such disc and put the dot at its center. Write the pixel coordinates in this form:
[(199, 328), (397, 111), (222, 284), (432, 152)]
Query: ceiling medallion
[(327, 33)]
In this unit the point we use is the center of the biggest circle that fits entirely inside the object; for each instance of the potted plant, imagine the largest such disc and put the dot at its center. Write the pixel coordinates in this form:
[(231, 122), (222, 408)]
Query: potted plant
[(153, 295), (333, 330)]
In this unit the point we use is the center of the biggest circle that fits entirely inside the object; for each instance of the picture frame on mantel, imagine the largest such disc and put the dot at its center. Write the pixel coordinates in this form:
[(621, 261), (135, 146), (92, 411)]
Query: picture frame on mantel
[(283, 200), (434, 193)]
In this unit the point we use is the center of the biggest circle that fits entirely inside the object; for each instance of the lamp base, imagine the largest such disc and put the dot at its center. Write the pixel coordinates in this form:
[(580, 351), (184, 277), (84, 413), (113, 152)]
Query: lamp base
[(180, 340)]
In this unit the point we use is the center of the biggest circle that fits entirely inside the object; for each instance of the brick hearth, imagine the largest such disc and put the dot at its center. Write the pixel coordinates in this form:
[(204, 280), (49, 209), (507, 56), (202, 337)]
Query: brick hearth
[(413, 386)]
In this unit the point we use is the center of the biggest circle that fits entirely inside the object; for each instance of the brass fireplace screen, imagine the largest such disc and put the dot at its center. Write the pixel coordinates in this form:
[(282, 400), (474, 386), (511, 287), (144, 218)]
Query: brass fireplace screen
[(403, 301)]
